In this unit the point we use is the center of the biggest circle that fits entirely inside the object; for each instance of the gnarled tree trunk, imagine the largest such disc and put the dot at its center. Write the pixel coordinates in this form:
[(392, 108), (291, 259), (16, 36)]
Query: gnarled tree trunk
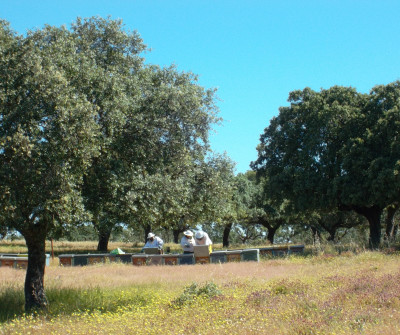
[(272, 229), (35, 297), (176, 233), (271, 234), (373, 215), (390, 226), (225, 236), (104, 237)]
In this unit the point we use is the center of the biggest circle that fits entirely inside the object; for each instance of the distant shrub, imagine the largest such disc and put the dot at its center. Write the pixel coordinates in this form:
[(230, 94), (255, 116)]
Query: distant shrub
[(194, 292)]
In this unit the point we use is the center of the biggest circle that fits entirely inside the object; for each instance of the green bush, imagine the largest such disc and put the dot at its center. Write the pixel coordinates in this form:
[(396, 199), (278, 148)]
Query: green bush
[(193, 292)]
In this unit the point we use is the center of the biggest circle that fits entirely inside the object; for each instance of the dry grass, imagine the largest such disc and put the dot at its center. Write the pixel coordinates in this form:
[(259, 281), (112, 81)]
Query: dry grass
[(298, 295), (115, 274)]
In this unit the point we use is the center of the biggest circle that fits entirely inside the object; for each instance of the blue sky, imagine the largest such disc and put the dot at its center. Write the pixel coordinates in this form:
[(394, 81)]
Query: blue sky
[(253, 52)]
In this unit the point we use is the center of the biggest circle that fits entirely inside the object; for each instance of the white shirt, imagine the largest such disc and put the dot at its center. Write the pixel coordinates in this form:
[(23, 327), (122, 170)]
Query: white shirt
[(187, 244), (156, 243), (204, 241)]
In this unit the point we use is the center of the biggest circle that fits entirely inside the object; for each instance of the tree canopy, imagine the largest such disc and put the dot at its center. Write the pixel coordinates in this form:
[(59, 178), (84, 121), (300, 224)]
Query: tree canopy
[(88, 133), (336, 148)]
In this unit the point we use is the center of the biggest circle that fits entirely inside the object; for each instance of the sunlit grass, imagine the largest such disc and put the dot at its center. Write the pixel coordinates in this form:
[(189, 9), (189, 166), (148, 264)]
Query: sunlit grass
[(294, 295)]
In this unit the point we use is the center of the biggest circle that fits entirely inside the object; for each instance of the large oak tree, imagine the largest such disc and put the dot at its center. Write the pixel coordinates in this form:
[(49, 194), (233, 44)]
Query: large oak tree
[(90, 134), (336, 148), (48, 135)]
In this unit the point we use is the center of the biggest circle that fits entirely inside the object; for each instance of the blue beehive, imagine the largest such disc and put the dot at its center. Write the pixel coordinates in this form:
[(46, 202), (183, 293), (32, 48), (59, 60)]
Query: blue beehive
[(80, 260), (186, 259), (218, 257), (250, 255), (124, 258)]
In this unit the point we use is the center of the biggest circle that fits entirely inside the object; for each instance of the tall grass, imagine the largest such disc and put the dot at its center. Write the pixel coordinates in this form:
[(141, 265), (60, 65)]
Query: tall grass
[(320, 294)]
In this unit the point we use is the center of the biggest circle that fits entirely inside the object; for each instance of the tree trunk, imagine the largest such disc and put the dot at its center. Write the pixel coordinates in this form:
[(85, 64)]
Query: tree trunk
[(374, 230), (332, 234), (316, 234), (35, 297), (147, 230), (390, 226), (272, 229), (225, 237), (271, 234), (176, 233), (373, 215), (104, 237)]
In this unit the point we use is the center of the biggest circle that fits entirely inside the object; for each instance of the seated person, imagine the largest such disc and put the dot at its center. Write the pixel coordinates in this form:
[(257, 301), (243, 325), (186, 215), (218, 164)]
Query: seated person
[(202, 238), (187, 242), (154, 241)]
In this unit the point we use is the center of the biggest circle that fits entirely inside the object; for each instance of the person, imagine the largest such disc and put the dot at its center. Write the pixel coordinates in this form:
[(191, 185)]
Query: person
[(154, 241), (202, 238), (188, 242)]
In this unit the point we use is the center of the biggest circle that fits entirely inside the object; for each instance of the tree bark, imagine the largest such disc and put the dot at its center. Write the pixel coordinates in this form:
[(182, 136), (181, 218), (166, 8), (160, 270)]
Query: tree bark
[(147, 230), (176, 233), (332, 234), (104, 237), (271, 234), (272, 229), (390, 226), (35, 297), (225, 237), (373, 215), (316, 234)]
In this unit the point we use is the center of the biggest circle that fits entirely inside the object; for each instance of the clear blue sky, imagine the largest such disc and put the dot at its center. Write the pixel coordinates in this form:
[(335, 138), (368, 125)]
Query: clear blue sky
[(254, 52)]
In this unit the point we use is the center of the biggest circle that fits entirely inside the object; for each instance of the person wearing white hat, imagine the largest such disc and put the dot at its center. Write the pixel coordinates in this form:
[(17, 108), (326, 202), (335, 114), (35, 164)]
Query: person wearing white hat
[(154, 241), (188, 242), (202, 238)]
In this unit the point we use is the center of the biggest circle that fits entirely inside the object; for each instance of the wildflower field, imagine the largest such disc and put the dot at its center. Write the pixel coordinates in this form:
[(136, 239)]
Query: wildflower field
[(346, 294)]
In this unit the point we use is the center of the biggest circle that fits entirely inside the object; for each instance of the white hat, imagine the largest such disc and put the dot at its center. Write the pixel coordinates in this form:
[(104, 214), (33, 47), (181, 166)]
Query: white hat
[(199, 235), (188, 233), (150, 235)]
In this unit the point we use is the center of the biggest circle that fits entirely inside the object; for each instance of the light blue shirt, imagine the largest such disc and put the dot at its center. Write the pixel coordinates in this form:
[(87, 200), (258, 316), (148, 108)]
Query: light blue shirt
[(156, 243)]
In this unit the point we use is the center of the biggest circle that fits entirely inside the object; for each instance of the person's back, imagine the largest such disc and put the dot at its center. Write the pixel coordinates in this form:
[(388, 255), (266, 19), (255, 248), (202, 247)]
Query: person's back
[(202, 238)]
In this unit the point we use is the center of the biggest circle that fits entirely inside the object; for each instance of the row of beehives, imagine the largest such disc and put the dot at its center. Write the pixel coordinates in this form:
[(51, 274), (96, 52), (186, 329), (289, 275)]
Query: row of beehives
[(18, 261), (179, 259)]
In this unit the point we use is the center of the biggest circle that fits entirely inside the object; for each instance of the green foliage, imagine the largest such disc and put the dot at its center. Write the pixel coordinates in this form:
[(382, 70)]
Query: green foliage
[(83, 232), (195, 292), (335, 149), (280, 289), (88, 133), (257, 218)]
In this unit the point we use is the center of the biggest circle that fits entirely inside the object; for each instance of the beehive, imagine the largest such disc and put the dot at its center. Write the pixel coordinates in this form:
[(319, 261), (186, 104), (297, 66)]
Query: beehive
[(233, 255), (250, 255), (171, 259), (185, 259), (202, 260), (66, 260), (155, 260), (218, 257), (139, 259)]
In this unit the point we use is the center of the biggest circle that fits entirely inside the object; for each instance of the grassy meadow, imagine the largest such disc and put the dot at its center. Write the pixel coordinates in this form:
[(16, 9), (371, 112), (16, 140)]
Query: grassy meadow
[(351, 293)]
